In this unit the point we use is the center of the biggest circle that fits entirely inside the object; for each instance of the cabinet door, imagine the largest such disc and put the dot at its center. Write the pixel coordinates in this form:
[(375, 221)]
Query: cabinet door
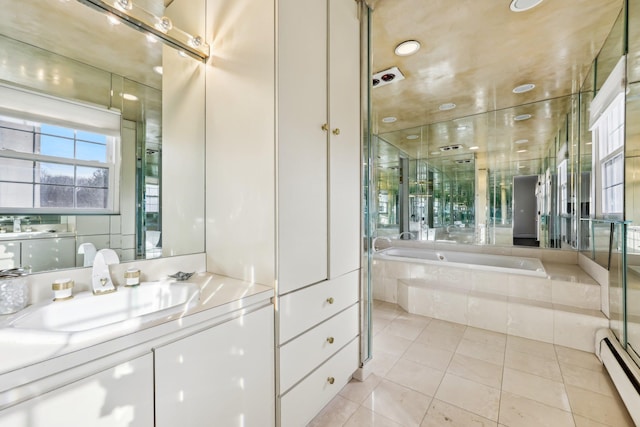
[(344, 146), (223, 376), (302, 143), (118, 397)]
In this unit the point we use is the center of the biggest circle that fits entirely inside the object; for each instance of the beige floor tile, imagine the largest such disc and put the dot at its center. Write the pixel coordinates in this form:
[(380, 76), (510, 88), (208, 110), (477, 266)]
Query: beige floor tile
[(381, 363), (336, 413), (469, 395), (525, 345), (597, 407), (586, 422), (476, 370), (481, 351), (406, 328), (572, 357), (536, 388), (598, 381), (415, 376), (532, 364), (495, 339), (426, 355), (443, 414), (398, 403), (439, 338), (364, 417), (518, 411), (390, 344), (357, 391)]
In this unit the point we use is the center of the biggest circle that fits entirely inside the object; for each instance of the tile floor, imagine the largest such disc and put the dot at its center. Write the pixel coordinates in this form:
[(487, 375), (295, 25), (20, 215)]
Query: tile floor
[(429, 372)]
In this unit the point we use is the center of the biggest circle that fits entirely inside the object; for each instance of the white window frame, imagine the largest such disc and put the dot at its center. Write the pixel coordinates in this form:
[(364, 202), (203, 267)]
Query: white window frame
[(607, 125), (32, 108)]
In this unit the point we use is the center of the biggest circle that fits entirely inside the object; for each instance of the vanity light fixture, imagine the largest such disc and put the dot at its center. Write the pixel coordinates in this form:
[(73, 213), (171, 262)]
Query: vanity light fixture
[(408, 47), (521, 117), (523, 5), (447, 106), (524, 88), (128, 12), (413, 136), (389, 119)]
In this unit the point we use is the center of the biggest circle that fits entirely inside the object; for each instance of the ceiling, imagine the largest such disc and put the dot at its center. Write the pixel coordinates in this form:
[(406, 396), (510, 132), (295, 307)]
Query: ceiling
[(473, 54)]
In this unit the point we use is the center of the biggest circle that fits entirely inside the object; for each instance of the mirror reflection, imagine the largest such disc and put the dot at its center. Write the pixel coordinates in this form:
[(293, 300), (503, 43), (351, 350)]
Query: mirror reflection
[(72, 177)]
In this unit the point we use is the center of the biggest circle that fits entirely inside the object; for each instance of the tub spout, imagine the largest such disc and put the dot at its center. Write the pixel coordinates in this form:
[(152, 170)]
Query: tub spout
[(373, 243), (411, 236)]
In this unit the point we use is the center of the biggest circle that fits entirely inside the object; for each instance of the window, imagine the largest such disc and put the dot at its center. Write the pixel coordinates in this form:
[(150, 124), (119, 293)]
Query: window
[(49, 163)]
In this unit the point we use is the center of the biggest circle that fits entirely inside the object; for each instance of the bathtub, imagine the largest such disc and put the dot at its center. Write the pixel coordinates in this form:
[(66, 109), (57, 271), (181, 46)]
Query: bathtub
[(474, 261)]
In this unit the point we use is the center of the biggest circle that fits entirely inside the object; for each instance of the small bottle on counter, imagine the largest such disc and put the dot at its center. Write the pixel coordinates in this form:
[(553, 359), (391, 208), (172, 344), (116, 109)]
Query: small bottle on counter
[(132, 277), (62, 289)]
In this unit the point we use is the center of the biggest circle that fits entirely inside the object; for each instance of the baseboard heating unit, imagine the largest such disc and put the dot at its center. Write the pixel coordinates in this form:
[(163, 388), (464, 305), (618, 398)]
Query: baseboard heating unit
[(622, 369)]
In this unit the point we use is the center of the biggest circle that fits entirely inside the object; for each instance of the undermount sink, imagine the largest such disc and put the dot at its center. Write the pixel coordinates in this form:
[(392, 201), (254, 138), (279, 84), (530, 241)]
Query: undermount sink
[(122, 310)]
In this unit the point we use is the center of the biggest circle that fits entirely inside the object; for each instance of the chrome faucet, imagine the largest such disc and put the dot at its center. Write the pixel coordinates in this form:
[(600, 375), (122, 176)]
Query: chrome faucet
[(100, 277), (373, 243)]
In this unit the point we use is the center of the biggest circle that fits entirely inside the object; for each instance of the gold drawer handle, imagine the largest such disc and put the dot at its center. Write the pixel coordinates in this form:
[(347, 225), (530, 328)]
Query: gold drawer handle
[(330, 300), (331, 380), (330, 340), (325, 127), (336, 131)]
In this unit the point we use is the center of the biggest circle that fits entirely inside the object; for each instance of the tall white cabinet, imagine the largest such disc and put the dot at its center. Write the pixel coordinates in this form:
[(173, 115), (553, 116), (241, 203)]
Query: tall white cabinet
[(318, 140)]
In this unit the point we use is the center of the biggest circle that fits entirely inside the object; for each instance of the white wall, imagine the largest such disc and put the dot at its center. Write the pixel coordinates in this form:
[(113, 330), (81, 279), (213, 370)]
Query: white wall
[(240, 147)]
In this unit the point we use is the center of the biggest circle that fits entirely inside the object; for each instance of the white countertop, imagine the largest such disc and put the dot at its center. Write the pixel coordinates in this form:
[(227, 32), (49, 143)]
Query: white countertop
[(28, 235), (23, 360)]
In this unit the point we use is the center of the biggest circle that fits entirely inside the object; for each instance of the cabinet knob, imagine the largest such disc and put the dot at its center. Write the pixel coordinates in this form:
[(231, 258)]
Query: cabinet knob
[(330, 300), (330, 340), (336, 131), (331, 380), (325, 127)]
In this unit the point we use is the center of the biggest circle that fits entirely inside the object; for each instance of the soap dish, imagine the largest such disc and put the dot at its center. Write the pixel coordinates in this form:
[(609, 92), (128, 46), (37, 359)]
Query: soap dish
[(181, 275)]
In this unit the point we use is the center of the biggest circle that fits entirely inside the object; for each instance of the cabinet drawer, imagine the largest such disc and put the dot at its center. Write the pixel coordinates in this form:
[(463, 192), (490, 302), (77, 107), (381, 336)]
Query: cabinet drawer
[(306, 308), (302, 355), (305, 400)]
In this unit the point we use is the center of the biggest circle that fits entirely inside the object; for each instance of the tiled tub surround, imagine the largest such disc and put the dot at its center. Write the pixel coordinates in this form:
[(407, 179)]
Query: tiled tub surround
[(563, 308)]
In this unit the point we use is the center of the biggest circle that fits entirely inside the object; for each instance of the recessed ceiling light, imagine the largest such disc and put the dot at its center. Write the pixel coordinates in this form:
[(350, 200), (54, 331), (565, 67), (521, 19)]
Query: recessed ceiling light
[(475, 147), (407, 48), (413, 136), (521, 141), (447, 106), (522, 151), (158, 69), (389, 119), (521, 117), (524, 88), (129, 97), (522, 5)]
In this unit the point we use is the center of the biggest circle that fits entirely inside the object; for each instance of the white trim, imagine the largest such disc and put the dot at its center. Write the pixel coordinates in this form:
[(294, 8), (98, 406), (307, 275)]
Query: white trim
[(614, 85)]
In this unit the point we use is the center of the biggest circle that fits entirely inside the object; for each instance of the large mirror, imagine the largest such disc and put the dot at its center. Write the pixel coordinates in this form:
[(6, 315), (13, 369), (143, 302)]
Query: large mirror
[(477, 145), (72, 185)]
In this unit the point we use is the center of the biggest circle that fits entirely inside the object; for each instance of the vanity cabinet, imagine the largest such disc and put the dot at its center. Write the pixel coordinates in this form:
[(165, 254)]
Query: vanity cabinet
[(120, 396), (222, 375)]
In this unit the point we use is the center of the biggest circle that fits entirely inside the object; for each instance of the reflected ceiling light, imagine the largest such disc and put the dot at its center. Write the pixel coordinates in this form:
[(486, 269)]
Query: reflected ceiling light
[(158, 69), (408, 47), (522, 151), (413, 136), (522, 5), (524, 88), (522, 117), (447, 106), (128, 12), (151, 38), (521, 141), (389, 119), (129, 97), (113, 20), (435, 153), (475, 147), (588, 143)]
